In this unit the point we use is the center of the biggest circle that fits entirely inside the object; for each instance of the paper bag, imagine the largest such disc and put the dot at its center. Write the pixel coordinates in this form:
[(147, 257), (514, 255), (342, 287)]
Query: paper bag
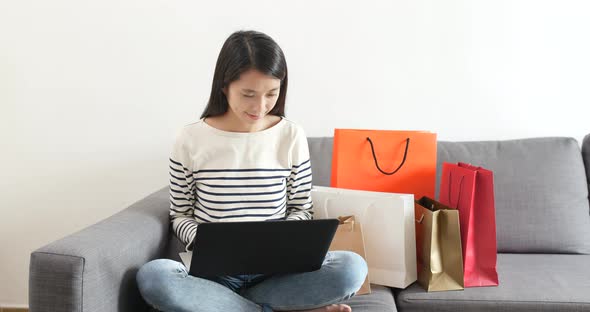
[(385, 161), (438, 246), (349, 237), (470, 190), (388, 229)]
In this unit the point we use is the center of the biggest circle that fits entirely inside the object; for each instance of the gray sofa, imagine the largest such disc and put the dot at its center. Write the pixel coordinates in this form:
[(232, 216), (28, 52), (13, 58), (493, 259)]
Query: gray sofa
[(543, 232)]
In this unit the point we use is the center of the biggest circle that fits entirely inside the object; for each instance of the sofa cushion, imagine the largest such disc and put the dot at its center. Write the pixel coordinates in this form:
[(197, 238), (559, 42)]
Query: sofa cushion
[(540, 191), (528, 282), (379, 300), (320, 150), (586, 156)]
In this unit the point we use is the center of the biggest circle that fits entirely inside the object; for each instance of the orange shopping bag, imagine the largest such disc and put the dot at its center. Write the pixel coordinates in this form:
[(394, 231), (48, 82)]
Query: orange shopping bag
[(385, 161)]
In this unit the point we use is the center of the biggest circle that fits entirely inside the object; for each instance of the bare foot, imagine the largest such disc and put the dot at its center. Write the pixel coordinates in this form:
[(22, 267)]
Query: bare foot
[(330, 308)]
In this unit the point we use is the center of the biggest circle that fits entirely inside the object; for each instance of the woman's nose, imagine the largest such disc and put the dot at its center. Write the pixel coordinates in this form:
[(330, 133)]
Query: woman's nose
[(261, 104)]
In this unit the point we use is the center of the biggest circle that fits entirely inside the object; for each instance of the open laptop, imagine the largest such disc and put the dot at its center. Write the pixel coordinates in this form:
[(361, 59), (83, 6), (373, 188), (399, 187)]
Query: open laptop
[(261, 247)]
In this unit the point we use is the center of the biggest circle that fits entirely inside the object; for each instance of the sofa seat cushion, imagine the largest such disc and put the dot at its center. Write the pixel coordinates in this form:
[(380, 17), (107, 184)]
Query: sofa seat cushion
[(528, 282), (379, 300), (540, 190)]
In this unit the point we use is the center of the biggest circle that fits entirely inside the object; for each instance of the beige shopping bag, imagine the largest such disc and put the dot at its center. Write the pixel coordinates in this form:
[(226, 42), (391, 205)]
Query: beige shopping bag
[(349, 236), (438, 246)]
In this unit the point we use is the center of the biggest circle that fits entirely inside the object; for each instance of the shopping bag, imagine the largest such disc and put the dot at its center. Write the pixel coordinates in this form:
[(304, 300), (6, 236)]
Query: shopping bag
[(438, 246), (385, 161), (388, 229), (349, 237), (470, 190)]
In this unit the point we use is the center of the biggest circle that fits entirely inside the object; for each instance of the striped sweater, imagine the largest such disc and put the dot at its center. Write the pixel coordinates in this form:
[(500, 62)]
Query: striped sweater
[(222, 176)]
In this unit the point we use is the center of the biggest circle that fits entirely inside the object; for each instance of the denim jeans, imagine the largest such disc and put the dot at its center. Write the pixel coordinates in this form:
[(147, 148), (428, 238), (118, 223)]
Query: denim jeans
[(166, 285)]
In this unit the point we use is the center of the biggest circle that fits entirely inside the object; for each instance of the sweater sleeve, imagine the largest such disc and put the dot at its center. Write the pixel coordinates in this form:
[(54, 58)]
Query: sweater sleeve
[(299, 202), (182, 199)]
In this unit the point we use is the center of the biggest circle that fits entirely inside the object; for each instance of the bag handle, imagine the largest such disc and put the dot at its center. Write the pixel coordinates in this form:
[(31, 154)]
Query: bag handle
[(377, 164), (421, 219), (347, 220), (422, 216), (460, 189)]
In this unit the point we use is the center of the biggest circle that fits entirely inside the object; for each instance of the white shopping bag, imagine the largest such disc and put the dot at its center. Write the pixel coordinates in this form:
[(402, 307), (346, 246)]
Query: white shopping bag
[(388, 229)]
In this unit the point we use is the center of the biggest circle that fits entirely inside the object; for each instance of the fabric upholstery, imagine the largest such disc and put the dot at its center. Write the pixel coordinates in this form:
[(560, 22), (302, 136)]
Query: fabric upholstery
[(94, 269), (55, 282), (320, 150), (586, 156), (540, 188), (379, 300), (528, 282)]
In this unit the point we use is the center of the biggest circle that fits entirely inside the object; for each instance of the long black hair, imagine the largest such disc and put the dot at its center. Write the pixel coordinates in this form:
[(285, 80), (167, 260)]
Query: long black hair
[(244, 50)]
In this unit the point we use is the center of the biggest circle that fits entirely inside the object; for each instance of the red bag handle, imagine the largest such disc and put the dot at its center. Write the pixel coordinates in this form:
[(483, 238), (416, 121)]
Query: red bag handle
[(460, 189)]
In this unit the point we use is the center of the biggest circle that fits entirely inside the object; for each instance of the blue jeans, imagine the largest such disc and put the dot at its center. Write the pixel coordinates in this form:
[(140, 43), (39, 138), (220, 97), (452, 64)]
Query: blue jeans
[(166, 285)]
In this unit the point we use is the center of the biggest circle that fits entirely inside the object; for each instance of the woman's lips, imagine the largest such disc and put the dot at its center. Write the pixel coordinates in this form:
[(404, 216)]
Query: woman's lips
[(253, 117)]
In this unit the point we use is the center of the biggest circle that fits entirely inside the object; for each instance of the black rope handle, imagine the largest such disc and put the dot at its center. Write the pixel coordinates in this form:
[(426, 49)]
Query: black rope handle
[(377, 164), (460, 189)]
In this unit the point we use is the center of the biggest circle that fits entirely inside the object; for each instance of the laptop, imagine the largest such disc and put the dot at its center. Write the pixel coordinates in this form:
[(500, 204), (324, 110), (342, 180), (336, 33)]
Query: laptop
[(261, 247)]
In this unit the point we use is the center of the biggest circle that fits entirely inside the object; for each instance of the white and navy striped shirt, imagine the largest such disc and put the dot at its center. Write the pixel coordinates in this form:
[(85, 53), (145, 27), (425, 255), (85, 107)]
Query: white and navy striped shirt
[(221, 176)]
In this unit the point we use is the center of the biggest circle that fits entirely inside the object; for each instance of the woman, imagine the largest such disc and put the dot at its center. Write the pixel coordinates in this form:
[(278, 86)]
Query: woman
[(243, 161)]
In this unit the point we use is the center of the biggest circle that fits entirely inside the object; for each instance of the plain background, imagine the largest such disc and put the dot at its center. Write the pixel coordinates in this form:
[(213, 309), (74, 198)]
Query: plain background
[(93, 92)]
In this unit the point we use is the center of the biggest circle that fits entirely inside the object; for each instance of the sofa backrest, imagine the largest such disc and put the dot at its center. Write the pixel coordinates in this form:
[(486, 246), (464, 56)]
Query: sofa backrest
[(541, 191)]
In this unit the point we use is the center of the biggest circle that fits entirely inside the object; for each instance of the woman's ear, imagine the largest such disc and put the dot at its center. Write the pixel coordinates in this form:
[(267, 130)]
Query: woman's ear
[(224, 90)]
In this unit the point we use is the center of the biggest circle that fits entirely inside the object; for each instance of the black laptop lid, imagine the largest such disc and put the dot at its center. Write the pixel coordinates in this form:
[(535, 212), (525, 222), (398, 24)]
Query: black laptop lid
[(261, 247)]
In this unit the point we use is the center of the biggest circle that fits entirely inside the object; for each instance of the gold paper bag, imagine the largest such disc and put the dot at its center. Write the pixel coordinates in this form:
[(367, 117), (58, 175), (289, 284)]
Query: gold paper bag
[(438, 246), (349, 236)]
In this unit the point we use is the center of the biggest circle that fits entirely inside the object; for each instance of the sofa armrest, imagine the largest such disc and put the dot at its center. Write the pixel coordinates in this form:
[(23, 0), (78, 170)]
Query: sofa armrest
[(586, 156), (94, 269)]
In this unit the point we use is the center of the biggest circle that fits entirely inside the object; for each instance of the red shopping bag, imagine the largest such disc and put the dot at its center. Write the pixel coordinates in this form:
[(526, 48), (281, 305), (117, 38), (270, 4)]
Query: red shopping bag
[(385, 161), (470, 190)]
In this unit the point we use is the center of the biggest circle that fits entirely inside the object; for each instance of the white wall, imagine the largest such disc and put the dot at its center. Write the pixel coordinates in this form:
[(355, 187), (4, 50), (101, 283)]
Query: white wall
[(92, 92)]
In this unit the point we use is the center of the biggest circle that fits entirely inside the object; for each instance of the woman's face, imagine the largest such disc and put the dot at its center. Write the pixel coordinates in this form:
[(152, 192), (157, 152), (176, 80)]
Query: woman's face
[(252, 96)]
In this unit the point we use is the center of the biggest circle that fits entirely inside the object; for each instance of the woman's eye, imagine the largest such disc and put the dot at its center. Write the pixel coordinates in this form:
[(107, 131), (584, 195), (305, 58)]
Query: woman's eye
[(250, 96)]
